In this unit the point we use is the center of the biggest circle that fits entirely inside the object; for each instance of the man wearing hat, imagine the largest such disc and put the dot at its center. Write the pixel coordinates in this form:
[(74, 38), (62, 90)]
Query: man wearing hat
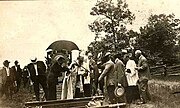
[(8, 80), (58, 66), (3, 78), (37, 71), (18, 74), (144, 75), (109, 73)]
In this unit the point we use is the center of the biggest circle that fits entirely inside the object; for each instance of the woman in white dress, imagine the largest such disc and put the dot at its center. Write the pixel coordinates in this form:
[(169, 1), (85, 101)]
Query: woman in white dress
[(131, 73), (132, 78)]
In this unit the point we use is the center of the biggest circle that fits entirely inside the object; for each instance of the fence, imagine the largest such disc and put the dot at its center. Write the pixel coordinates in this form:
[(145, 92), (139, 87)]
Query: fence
[(164, 70)]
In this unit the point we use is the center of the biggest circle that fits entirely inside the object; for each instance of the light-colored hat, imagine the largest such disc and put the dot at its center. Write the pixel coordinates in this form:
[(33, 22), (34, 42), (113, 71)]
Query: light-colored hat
[(90, 55), (138, 52), (119, 91), (107, 54), (57, 57), (33, 59)]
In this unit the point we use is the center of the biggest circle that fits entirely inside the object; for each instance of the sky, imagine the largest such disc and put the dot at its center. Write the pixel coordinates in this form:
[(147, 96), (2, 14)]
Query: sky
[(27, 28)]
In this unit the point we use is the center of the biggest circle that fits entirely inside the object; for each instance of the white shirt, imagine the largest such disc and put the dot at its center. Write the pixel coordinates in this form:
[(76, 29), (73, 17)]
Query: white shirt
[(7, 70), (16, 68), (35, 67)]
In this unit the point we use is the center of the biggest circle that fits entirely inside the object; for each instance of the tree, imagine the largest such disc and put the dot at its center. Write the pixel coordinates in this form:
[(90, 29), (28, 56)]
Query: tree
[(158, 37), (111, 21)]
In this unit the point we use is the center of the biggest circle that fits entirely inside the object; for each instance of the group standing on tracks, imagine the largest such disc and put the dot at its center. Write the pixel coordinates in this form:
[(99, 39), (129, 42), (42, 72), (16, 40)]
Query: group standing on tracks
[(84, 77)]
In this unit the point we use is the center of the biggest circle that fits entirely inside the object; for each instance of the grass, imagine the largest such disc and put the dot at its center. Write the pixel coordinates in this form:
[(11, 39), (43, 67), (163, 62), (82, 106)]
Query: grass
[(162, 96), (161, 93), (161, 90), (17, 100)]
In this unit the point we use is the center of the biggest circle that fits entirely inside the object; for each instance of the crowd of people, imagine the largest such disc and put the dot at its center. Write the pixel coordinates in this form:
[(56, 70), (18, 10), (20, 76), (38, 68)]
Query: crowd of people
[(84, 77), (11, 79)]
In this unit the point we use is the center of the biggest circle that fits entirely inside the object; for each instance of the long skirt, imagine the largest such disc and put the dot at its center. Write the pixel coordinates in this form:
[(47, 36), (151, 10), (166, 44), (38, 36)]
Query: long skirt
[(132, 93)]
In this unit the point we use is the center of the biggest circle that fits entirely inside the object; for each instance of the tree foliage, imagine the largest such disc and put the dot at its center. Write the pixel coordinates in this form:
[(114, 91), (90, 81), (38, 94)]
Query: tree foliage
[(111, 21), (158, 37)]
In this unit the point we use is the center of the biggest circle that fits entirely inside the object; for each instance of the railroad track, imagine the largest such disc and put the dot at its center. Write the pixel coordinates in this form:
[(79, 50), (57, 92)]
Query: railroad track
[(67, 103), (71, 103)]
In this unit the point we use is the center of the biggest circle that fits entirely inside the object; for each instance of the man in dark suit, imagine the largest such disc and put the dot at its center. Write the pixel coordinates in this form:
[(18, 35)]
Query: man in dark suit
[(120, 70), (120, 75), (37, 71), (18, 74), (8, 80), (109, 73), (94, 74)]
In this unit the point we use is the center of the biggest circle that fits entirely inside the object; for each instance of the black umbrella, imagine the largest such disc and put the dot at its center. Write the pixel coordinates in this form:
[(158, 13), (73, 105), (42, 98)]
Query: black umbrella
[(63, 44)]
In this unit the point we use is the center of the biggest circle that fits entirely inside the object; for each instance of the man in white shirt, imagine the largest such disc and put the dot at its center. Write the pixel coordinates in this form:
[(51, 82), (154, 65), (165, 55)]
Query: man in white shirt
[(37, 71), (8, 84)]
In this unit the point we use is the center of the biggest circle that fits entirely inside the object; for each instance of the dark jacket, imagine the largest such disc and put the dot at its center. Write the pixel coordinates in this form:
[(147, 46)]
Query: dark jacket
[(41, 68), (25, 73), (3, 76), (17, 73), (143, 71), (120, 72), (93, 67)]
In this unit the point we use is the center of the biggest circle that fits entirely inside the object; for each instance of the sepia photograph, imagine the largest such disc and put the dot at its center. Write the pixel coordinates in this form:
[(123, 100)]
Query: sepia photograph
[(89, 54)]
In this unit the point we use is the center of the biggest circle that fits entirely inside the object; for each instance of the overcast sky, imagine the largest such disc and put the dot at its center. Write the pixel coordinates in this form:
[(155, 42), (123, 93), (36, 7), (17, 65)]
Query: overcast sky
[(27, 28)]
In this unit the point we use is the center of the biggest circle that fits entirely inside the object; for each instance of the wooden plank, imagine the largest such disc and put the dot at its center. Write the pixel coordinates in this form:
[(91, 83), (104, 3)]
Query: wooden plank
[(159, 70), (173, 70)]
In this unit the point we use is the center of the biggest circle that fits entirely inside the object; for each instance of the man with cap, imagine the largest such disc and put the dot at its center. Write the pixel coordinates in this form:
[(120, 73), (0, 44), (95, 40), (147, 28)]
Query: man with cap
[(37, 71), (18, 74), (144, 75), (8, 80), (109, 73), (3, 78)]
